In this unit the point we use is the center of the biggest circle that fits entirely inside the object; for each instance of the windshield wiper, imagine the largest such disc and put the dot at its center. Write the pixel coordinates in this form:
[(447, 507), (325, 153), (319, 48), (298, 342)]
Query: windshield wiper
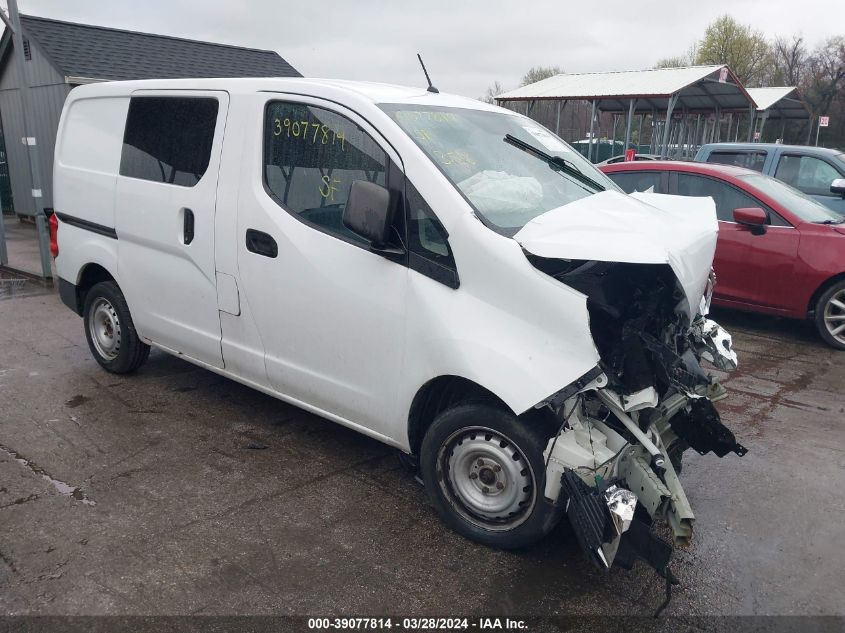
[(555, 162), (839, 221)]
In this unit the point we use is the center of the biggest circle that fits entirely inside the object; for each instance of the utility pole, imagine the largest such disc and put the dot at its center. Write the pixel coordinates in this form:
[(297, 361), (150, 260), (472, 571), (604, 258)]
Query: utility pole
[(13, 23)]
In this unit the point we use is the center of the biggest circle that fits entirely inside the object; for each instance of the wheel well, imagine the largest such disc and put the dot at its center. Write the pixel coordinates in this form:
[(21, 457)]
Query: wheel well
[(91, 274), (439, 394), (821, 289)]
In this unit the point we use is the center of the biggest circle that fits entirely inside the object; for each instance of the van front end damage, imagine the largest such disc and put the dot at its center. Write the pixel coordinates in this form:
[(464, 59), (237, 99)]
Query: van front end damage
[(643, 264), (614, 463)]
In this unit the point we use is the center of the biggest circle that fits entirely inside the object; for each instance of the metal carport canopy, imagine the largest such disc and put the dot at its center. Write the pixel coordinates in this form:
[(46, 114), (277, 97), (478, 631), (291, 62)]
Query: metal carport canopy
[(781, 102), (696, 88)]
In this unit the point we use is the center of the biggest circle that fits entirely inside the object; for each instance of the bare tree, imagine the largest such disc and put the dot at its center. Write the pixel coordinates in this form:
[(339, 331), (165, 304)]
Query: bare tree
[(679, 61), (825, 77), (789, 60), (493, 90)]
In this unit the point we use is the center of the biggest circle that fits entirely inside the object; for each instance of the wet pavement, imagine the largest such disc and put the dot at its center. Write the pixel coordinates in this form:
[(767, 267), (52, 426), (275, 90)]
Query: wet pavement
[(176, 491)]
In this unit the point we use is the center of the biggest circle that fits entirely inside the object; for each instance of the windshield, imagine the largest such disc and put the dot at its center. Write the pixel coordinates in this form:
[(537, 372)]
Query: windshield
[(507, 185), (798, 203)]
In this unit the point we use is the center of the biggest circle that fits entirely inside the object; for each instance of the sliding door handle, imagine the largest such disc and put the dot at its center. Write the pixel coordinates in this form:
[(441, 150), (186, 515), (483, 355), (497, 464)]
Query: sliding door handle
[(261, 243), (188, 226)]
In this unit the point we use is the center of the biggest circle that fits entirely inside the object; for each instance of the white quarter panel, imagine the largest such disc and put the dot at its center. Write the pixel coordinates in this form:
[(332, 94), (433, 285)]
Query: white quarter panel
[(87, 157)]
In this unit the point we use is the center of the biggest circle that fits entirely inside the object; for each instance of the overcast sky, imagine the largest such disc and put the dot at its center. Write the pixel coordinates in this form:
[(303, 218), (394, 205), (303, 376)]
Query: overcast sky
[(466, 44)]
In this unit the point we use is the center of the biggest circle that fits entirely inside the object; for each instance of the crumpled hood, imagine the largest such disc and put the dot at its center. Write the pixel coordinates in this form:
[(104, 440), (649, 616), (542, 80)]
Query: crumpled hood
[(643, 228)]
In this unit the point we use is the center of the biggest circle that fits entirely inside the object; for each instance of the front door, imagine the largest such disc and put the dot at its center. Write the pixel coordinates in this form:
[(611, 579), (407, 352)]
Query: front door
[(750, 269), (330, 312), (166, 197)]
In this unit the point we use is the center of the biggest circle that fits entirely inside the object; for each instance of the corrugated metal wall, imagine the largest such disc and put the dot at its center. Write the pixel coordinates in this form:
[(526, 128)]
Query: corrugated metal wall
[(47, 96)]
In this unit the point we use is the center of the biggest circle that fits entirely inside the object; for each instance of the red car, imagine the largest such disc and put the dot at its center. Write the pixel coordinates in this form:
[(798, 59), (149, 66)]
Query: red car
[(779, 251)]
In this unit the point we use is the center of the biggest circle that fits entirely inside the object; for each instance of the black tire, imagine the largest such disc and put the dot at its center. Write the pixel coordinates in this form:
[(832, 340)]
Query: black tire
[(110, 332), (473, 439), (828, 313)]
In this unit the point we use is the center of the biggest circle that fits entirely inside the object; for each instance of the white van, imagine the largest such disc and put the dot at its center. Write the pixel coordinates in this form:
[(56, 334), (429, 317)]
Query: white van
[(443, 275)]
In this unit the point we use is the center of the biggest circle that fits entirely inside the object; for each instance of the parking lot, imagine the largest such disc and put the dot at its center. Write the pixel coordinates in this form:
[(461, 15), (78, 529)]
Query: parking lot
[(176, 491)]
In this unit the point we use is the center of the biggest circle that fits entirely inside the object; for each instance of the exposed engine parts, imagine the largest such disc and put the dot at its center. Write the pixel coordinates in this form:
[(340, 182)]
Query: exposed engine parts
[(614, 463)]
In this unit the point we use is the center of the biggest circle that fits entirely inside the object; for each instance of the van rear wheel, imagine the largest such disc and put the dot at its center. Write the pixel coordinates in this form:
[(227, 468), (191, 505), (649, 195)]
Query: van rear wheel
[(110, 331), (484, 472)]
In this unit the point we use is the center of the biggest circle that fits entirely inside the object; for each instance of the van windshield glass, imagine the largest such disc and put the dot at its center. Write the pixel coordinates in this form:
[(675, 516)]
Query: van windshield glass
[(506, 184)]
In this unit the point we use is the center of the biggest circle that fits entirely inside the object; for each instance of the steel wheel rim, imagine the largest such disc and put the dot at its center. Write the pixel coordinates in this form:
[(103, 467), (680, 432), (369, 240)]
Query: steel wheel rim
[(486, 478), (104, 328), (834, 316)]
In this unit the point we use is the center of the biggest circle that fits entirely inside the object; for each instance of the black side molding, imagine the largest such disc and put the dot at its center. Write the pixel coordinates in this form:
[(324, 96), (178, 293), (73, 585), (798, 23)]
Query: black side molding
[(69, 295), (99, 229)]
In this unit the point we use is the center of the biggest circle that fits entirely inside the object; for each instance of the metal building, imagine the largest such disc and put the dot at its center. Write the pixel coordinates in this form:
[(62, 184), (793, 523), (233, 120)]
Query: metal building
[(61, 55), (685, 107)]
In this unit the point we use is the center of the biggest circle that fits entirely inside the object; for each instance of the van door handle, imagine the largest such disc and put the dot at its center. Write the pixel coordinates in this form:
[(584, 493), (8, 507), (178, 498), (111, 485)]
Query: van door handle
[(188, 227), (261, 243)]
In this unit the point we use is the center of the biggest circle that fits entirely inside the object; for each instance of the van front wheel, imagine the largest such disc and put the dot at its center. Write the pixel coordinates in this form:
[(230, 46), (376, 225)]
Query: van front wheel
[(110, 332), (484, 472)]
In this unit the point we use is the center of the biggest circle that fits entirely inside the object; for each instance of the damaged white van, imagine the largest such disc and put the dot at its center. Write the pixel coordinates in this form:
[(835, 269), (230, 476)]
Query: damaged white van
[(445, 276)]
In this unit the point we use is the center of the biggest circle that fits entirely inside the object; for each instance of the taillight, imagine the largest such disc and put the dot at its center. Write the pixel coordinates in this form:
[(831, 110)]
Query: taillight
[(54, 235)]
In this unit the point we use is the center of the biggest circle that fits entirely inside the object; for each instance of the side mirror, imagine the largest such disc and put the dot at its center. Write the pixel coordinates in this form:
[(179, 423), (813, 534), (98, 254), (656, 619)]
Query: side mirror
[(368, 212), (754, 218), (838, 186)]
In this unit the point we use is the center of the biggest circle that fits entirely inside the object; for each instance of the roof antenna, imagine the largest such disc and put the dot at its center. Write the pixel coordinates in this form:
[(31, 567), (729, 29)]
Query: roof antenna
[(427, 78)]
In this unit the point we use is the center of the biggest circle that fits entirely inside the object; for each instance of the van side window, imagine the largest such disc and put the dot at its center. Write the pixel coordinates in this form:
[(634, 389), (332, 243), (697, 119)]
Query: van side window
[(428, 243), (311, 157), (168, 139)]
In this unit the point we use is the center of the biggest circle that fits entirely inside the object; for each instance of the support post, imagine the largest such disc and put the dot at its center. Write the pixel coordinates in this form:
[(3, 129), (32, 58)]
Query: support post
[(782, 129), (613, 140), (31, 143), (557, 123), (671, 106), (718, 124), (695, 136), (652, 144), (763, 124), (628, 125), (818, 129), (751, 123), (640, 132), (592, 121)]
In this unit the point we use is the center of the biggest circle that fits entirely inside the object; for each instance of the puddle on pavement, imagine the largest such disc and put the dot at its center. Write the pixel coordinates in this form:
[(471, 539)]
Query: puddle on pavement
[(76, 401), (61, 487)]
